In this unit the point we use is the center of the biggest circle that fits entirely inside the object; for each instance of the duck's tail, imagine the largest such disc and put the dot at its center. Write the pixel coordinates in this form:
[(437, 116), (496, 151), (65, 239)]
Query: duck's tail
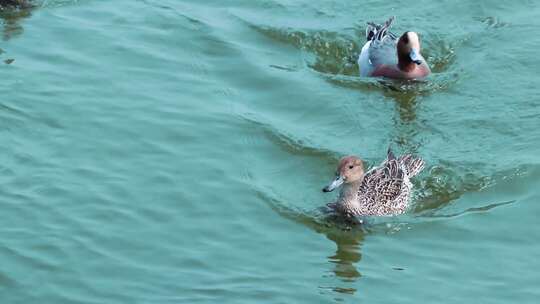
[(412, 163), (376, 31), (389, 154)]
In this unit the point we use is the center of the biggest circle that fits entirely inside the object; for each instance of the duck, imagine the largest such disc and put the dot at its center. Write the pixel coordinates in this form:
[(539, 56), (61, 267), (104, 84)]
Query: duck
[(382, 191), (386, 55)]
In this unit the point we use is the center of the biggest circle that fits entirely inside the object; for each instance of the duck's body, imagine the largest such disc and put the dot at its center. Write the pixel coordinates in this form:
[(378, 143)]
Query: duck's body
[(386, 55), (383, 190)]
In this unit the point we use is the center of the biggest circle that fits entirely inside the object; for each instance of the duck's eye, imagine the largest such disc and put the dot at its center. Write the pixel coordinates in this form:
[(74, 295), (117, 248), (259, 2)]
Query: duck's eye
[(351, 166)]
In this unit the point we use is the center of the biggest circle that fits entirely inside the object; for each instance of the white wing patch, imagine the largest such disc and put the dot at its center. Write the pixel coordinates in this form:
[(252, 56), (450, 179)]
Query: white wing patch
[(364, 63)]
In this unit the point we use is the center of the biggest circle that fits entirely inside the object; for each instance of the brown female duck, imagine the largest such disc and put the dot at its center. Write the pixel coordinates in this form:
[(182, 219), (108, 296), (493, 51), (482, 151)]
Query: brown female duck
[(383, 190)]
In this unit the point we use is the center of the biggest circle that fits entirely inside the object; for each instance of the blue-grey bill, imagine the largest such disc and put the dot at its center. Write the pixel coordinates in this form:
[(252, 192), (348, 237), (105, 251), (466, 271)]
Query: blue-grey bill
[(415, 56), (334, 184)]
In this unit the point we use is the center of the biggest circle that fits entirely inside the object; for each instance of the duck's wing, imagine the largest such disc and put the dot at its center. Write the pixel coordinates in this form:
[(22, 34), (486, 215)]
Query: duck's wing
[(383, 184), (382, 49)]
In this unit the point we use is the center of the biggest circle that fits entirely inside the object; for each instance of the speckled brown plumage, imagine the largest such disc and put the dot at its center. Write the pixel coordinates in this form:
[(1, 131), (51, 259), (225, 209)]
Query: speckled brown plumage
[(384, 190)]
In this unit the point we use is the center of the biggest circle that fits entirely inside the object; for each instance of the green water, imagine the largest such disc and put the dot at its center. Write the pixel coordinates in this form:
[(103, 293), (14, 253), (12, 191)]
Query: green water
[(174, 151)]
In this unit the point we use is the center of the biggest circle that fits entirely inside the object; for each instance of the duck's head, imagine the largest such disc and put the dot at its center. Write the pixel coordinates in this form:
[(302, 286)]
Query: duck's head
[(408, 49), (349, 170)]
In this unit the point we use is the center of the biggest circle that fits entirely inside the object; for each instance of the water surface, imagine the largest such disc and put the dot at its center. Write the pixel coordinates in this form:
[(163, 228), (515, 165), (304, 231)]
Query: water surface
[(174, 151)]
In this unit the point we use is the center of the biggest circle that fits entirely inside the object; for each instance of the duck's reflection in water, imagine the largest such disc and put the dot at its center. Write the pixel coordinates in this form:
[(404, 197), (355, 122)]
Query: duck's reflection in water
[(406, 125), (344, 261), (347, 255), (348, 240)]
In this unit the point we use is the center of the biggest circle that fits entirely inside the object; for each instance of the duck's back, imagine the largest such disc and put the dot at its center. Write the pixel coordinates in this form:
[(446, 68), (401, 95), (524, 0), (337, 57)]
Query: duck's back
[(385, 190), (380, 49)]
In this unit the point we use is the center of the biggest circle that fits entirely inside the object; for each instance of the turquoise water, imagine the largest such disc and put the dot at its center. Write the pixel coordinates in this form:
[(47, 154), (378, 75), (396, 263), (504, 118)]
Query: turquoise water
[(174, 152)]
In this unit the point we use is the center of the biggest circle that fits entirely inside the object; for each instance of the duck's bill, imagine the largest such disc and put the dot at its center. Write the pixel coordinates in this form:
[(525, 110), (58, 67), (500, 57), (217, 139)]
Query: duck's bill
[(415, 56), (334, 184)]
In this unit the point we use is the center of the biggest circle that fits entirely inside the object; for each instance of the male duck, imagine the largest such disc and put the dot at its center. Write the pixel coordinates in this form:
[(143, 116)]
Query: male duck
[(385, 55), (383, 190)]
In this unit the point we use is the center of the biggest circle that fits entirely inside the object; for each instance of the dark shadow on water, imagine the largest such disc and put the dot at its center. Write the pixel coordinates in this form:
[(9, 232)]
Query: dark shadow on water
[(12, 17)]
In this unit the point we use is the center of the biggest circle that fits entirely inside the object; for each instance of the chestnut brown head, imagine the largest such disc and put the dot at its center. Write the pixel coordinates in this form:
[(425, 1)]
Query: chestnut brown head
[(408, 49), (349, 170)]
